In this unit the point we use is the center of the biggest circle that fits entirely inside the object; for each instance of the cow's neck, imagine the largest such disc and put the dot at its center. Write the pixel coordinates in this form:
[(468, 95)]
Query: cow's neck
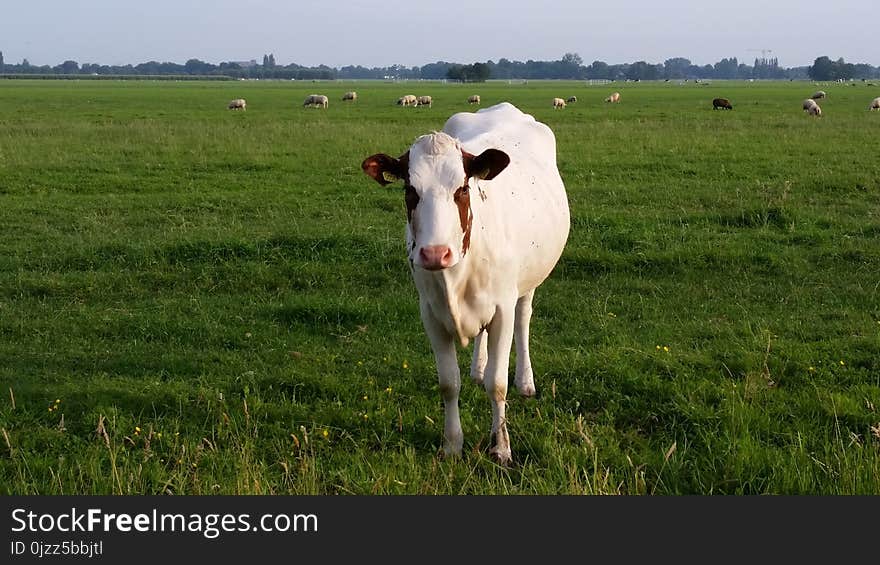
[(457, 292)]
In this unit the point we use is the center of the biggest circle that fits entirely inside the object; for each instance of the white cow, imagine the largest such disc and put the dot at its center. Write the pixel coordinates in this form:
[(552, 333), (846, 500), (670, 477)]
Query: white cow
[(815, 110), (352, 95), (875, 104), (487, 220), (424, 101), (237, 104), (558, 103), (818, 95), (808, 103), (474, 99)]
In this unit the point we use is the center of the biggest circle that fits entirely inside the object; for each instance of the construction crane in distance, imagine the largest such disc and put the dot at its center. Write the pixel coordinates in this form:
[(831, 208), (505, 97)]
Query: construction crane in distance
[(764, 52)]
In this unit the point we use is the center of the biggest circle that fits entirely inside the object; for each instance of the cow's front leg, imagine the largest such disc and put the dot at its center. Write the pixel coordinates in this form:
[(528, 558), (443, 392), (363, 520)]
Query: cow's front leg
[(525, 379), (481, 356), (500, 338), (450, 381)]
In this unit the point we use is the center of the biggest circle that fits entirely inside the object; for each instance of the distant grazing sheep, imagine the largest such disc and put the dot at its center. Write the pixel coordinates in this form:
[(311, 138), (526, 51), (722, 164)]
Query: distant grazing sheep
[(558, 103), (237, 104), (316, 101), (615, 97), (350, 96), (572, 99), (474, 99), (424, 101), (875, 104), (722, 103), (407, 100), (818, 95)]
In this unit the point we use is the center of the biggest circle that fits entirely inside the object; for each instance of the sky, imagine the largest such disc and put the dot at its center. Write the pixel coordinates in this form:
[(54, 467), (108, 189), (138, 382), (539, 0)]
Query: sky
[(375, 33)]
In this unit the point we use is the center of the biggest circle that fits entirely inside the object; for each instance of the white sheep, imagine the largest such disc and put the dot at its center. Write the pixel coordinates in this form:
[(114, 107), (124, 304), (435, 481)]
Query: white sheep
[(615, 97), (316, 101), (407, 100)]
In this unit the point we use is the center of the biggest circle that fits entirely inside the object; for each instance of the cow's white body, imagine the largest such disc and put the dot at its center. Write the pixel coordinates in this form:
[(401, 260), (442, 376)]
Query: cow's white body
[(520, 224)]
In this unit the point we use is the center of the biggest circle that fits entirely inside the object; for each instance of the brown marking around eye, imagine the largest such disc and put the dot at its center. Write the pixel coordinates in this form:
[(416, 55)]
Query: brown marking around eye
[(462, 199), (412, 200)]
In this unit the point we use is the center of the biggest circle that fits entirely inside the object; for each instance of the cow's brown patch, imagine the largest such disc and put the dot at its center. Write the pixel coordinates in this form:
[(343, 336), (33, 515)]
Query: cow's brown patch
[(385, 169), (412, 200), (462, 199)]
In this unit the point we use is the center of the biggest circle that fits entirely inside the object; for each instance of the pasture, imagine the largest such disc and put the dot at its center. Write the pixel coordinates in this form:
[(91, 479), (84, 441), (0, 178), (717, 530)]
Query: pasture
[(195, 300)]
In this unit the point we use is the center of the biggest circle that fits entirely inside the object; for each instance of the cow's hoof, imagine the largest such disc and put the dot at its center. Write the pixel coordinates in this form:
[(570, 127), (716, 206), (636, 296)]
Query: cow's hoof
[(527, 390), (502, 457), (477, 376)]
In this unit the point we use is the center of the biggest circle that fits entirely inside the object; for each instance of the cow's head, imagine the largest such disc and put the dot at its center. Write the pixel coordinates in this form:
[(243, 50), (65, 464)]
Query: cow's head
[(436, 175)]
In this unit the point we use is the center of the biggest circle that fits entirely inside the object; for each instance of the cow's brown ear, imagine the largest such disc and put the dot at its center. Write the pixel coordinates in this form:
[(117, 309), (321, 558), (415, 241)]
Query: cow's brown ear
[(486, 165), (386, 169)]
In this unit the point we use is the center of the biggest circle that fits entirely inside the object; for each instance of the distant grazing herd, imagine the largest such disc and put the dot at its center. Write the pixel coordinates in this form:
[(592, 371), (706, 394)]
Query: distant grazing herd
[(810, 106)]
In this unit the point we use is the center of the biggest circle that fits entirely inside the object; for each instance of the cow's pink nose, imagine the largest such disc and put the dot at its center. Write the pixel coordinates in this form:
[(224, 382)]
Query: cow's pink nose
[(435, 257)]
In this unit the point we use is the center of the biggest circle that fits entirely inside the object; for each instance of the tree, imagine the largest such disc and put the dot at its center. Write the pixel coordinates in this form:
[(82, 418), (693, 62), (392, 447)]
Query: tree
[(68, 67), (640, 70), (676, 67), (727, 68), (572, 59), (822, 69)]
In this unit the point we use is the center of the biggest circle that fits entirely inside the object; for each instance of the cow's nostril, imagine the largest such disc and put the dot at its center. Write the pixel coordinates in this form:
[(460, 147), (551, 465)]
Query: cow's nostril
[(446, 259), (434, 257)]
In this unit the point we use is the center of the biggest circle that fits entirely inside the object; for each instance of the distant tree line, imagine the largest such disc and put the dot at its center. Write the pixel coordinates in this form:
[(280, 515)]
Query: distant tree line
[(570, 66)]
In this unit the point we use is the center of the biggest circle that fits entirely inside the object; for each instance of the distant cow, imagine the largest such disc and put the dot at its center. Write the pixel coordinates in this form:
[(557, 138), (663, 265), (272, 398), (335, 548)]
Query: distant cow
[(572, 99), (424, 101), (818, 95), (407, 100), (474, 99), (615, 97), (808, 103), (350, 96), (237, 104), (316, 101), (722, 103), (487, 220), (558, 103), (875, 104)]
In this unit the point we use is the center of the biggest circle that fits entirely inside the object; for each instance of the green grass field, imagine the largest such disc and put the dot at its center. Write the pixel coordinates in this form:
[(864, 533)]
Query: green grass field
[(196, 301)]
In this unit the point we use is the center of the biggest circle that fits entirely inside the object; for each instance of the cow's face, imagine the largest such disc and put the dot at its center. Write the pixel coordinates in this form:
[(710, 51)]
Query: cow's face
[(436, 174)]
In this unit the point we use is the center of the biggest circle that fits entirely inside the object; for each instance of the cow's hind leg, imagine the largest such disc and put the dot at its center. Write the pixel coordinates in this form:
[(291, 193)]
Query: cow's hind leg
[(525, 379), (450, 382), (500, 338), (481, 356)]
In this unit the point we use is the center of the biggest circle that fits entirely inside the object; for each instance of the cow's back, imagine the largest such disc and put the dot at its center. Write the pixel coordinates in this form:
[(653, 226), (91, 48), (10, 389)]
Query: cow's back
[(526, 209)]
